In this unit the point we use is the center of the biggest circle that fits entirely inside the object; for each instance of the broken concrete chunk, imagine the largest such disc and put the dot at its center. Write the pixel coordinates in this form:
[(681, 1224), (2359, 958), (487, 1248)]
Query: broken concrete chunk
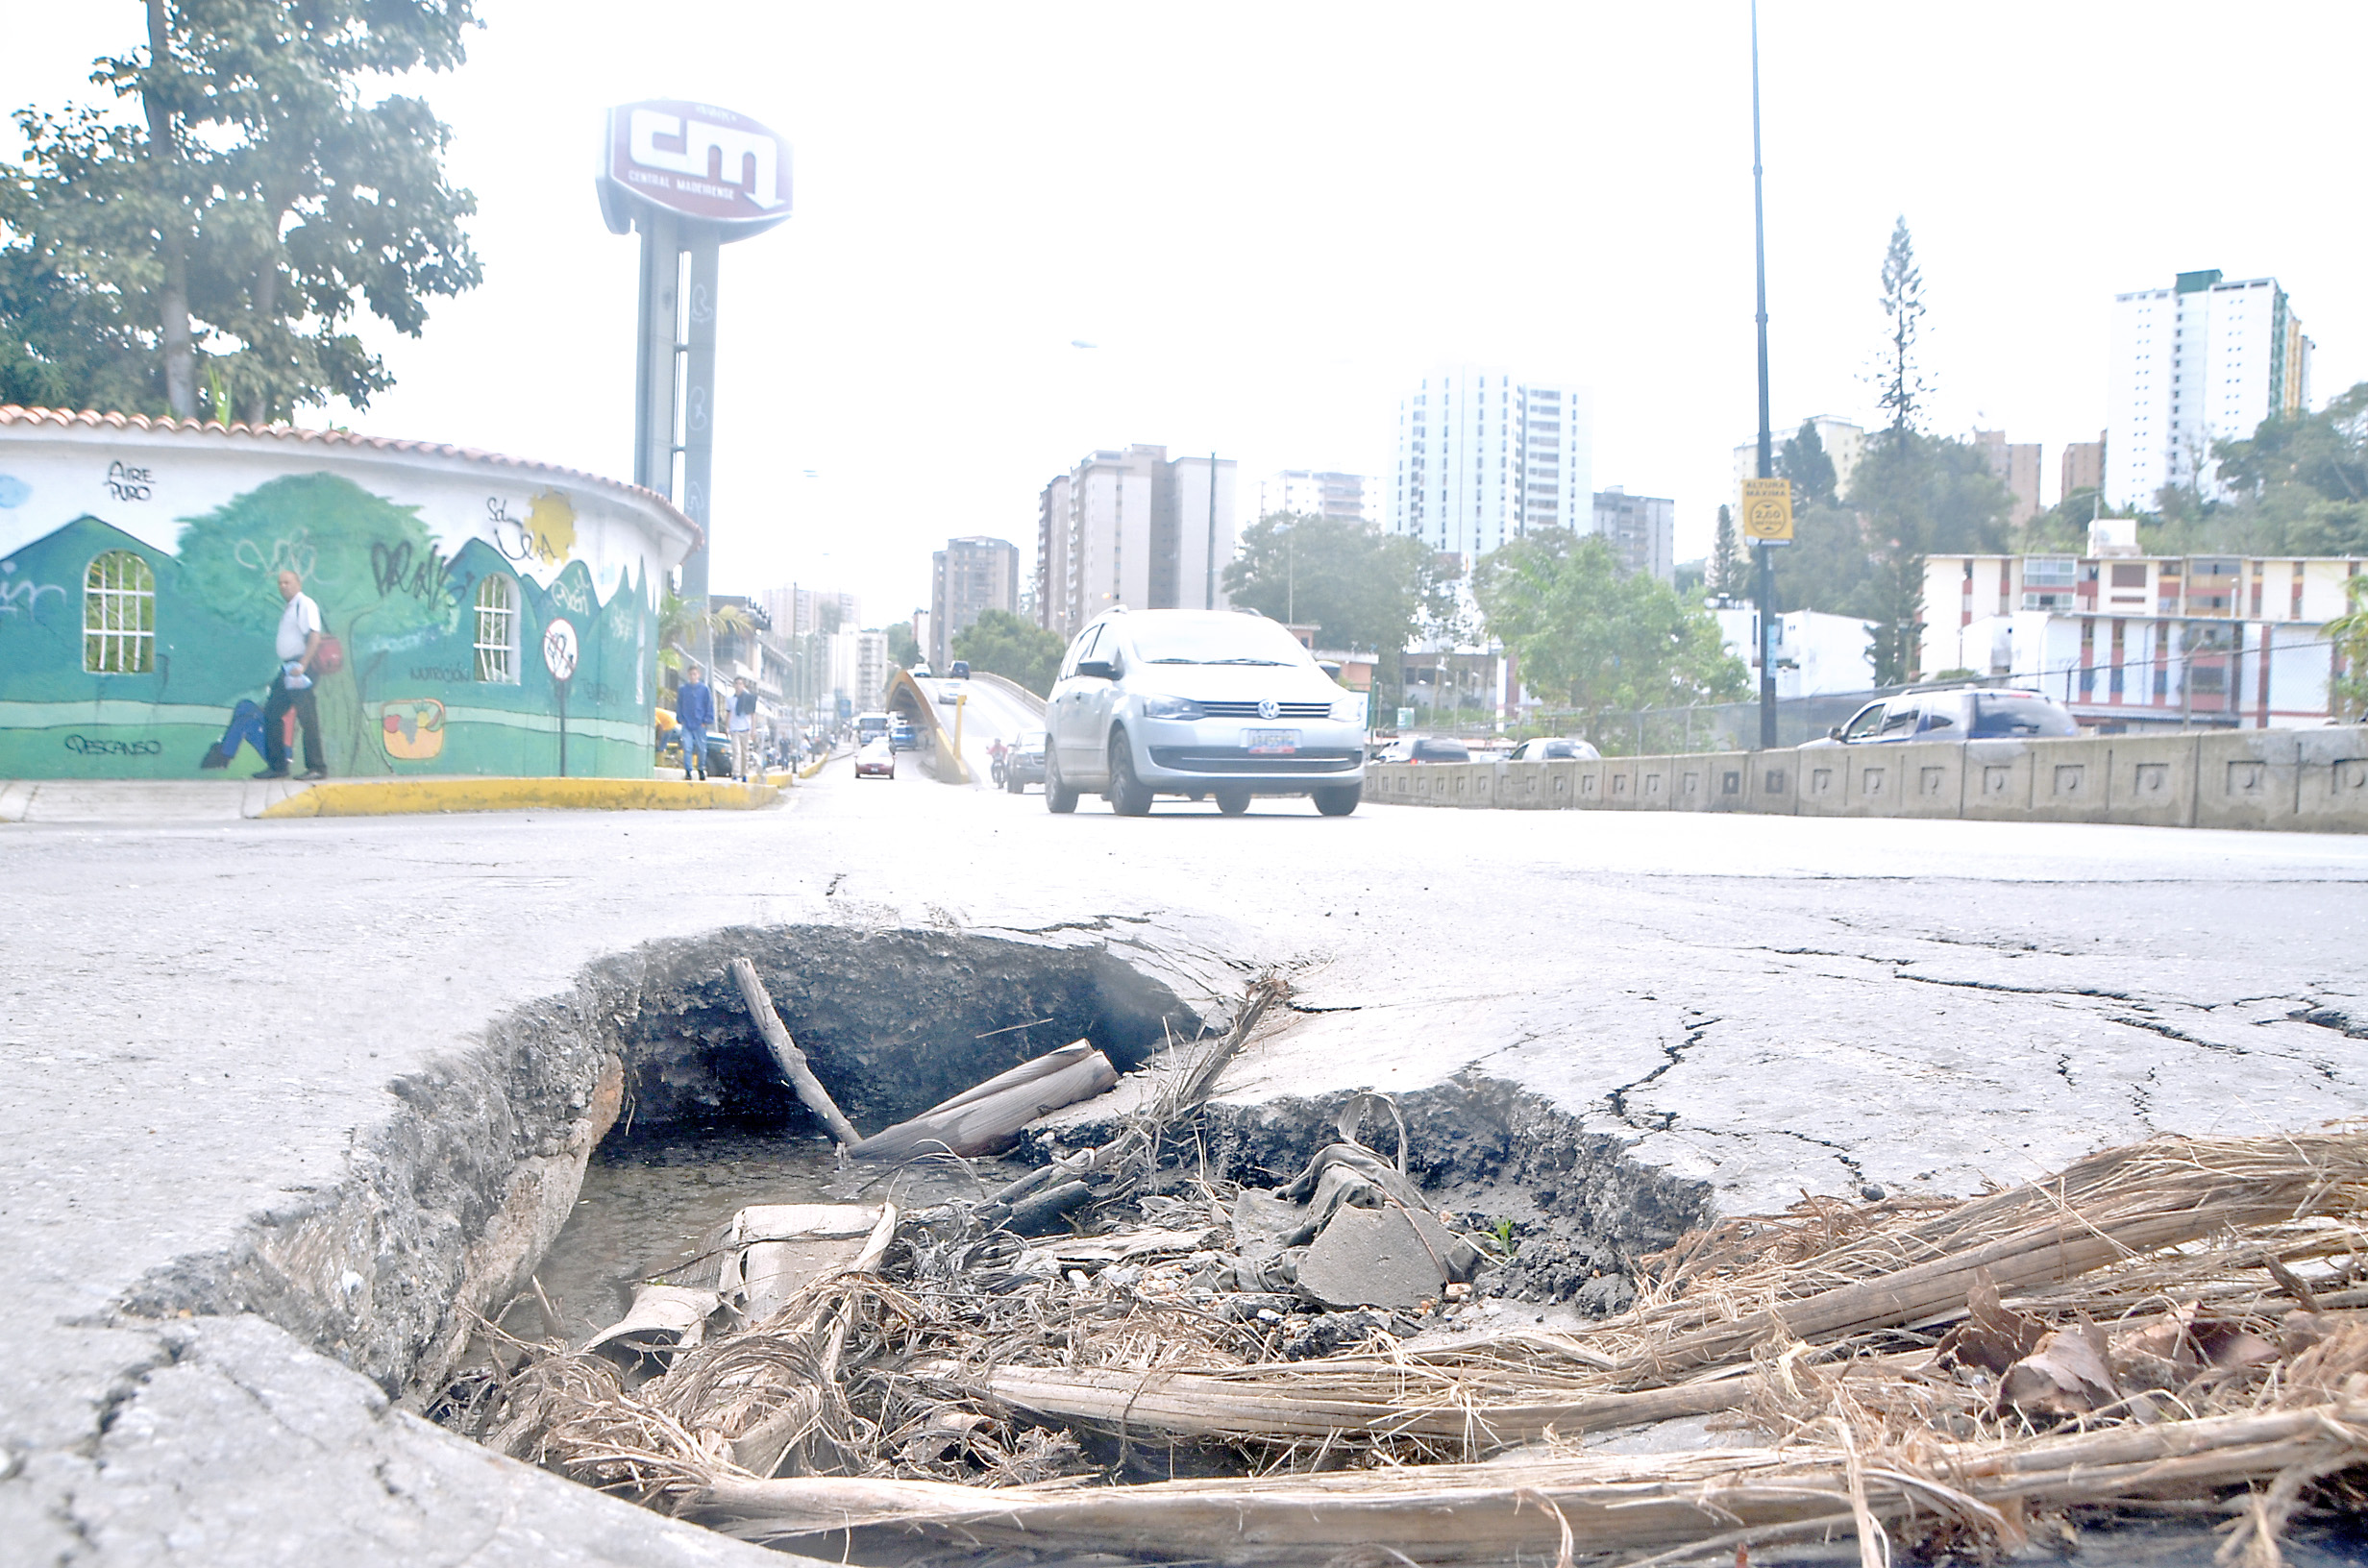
[(1384, 1258)]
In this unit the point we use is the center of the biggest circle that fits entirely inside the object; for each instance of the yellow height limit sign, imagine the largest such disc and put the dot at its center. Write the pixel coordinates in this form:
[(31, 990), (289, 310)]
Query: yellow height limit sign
[(1767, 511)]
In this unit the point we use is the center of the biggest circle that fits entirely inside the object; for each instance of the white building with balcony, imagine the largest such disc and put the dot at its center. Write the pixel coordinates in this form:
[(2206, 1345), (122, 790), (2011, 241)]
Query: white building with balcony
[(2202, 361), (1483, 458)]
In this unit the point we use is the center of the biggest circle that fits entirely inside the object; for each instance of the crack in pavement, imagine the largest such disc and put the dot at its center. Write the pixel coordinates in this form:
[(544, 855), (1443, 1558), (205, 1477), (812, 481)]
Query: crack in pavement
[(1618, 1098), (2025, 990)]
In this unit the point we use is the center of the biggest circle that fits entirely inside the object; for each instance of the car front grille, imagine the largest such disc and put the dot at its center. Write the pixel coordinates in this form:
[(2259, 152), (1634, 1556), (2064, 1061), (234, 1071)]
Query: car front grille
[(1283, 710), (1207, 759)]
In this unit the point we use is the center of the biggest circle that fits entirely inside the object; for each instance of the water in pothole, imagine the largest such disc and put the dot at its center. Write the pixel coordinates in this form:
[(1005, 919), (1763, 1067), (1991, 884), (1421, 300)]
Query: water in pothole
[(649, 1204)]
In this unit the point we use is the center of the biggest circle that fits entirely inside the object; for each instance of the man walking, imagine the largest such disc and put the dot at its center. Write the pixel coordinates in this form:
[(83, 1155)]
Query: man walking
[(694, 712), (740, 725), (291, 688)]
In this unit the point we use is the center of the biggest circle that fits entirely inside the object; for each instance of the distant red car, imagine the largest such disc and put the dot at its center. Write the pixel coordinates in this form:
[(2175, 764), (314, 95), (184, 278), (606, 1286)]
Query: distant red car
[(876, 760)]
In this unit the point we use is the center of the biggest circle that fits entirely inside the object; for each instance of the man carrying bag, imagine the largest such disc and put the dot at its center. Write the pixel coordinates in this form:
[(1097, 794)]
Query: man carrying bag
[(299, 644)]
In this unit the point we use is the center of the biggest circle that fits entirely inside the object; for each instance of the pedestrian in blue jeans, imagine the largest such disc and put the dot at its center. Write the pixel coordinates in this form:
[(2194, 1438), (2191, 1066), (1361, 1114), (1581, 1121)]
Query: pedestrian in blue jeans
[(694, 712)]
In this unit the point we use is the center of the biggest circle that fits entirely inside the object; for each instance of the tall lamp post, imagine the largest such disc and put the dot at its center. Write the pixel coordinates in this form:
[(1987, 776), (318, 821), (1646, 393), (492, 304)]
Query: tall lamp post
[(1768, 446)]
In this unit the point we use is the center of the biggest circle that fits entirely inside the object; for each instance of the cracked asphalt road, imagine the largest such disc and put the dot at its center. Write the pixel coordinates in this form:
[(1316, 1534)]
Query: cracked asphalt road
[(198, 1022)]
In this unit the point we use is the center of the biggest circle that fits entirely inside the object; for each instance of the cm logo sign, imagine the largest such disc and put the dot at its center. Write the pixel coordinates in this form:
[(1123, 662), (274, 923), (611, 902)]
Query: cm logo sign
[(694, 159)]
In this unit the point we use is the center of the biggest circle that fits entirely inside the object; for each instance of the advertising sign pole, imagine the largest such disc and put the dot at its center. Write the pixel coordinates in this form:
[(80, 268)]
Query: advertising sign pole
[(1766, 470), (691, 177)]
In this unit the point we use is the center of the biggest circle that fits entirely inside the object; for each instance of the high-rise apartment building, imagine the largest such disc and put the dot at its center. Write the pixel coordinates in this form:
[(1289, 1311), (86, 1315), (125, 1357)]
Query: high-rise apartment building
[(1844, 443), (1133, 527), (1483, 458), (2201, 362), (2018, 467), (2084, 466), (1641, 529), (1345, 498), (967, 578), (795, 611)]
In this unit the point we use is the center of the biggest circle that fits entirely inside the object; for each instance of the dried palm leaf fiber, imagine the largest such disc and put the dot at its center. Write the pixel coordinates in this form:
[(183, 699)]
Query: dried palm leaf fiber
[(2113, 1205), (1710, 1500), (1823, 1276)]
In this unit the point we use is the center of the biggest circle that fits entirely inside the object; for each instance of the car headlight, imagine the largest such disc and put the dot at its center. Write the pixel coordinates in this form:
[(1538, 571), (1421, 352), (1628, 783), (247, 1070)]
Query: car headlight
[(1349, 710), (1171, 707)]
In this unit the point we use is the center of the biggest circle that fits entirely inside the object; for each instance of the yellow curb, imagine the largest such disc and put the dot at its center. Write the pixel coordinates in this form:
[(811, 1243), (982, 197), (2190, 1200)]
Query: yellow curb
[(815, 767), (395, 797)]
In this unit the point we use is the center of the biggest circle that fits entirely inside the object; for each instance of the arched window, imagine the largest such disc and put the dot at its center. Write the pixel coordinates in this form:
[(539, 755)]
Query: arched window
[(497, 630), (119, 616)]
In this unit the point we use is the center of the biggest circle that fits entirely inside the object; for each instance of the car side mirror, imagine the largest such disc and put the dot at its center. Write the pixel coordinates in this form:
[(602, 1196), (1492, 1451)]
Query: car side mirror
[(1834, 733), (1097, 669)]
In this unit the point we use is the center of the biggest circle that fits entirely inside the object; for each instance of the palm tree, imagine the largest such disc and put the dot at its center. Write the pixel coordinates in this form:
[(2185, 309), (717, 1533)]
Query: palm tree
[(678, 623)]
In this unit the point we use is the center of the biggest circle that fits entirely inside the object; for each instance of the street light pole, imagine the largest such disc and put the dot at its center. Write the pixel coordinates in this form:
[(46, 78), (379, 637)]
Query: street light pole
[(1768, 447)]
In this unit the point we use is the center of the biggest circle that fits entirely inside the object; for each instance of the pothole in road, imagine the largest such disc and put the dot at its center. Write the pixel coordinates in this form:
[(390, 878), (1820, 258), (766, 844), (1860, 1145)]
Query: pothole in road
[(626, 1120)]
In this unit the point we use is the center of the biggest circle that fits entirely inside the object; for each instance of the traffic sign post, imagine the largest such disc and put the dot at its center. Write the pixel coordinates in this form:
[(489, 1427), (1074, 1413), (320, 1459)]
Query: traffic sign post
[(691, 177), (1767, 511)]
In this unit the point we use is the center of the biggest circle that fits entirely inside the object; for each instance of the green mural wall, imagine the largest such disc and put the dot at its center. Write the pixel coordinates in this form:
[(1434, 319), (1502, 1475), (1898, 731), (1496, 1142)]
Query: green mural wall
[(408, 698)]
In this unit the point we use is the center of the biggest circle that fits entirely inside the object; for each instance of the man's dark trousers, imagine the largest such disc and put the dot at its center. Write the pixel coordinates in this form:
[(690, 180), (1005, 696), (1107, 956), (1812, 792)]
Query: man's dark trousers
[(275, 725)]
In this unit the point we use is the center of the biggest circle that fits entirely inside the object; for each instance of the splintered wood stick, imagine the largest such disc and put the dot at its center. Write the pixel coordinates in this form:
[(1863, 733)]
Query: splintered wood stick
[(786, 1053)]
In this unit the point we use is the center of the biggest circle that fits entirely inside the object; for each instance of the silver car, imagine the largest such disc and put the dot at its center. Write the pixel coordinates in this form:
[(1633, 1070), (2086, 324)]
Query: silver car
[(1199, 702)]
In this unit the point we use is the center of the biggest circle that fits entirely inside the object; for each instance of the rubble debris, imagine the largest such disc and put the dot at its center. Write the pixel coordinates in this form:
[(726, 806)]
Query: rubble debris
[(2181, 1321), (986, 1119), (786, 1053)]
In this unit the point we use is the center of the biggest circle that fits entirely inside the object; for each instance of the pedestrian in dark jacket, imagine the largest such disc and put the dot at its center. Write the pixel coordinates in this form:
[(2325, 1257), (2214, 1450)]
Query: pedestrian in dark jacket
[(694, 712)]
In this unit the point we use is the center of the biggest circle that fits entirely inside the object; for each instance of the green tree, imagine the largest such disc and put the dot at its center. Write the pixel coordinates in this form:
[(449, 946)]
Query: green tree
[(1730, 567), (226, 237), (904, 647), (1594, 637), (2300, 487), (1013, 647), (1805, 461), (1918, 496), (1901, 382), (1361, 588), (681, 628), (2349, 632)]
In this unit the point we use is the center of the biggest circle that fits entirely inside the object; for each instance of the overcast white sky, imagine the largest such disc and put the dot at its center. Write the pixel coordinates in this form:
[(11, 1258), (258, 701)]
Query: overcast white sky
[(1271, 217)]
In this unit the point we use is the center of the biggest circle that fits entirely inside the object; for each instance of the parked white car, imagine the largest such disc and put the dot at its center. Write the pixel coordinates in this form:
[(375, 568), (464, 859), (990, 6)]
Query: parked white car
[(1199, 702)]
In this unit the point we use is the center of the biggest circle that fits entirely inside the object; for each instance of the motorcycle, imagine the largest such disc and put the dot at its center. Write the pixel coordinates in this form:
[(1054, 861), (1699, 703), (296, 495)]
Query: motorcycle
[(995, 770)]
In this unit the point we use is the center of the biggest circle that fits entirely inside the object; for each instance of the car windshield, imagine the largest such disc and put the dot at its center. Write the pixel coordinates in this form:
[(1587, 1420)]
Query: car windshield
[(1215, 639), (2000, 715)]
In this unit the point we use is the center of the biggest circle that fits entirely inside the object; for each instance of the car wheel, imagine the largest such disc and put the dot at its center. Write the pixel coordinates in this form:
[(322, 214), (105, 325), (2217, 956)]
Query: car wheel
[(1339, 800), (1059, 798), (1233, 802), (1129, 796)]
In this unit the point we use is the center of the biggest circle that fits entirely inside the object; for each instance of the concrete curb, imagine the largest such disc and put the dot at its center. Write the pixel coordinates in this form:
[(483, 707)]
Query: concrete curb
[(395, 797)]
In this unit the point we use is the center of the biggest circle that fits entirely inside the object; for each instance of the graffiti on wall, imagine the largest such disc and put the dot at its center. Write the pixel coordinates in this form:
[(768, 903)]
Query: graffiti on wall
[(406, 606)]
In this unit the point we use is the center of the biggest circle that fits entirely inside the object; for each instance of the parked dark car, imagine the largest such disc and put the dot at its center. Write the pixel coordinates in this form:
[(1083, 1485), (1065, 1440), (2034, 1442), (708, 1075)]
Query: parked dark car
[(1428, 748), (1958, 714), (1025, 763)]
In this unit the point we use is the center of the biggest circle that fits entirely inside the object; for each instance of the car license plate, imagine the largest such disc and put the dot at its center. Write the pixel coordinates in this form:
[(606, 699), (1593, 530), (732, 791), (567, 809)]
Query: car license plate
[(1269, 743)]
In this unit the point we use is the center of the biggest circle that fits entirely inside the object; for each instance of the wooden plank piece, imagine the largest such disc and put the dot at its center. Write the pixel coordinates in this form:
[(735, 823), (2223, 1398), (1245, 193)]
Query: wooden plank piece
[(793, 1062)]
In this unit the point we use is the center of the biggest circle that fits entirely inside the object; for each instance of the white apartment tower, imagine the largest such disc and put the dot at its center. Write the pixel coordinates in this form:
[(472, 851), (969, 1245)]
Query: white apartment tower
[(1340, 497), (1483, 458), (1133, 527), (2201, 362)]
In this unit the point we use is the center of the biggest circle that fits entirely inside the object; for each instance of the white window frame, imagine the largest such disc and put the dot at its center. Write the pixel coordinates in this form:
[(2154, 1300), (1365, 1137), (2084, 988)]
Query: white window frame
[(496, 630), (119, 614)]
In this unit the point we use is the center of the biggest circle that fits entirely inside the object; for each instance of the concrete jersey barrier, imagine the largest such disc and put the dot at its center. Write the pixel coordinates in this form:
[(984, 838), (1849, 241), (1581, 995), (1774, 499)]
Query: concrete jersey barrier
[(2300, 780)]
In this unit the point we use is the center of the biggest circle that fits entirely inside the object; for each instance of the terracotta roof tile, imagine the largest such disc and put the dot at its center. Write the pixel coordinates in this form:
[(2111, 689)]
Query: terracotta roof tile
[(91, 418)]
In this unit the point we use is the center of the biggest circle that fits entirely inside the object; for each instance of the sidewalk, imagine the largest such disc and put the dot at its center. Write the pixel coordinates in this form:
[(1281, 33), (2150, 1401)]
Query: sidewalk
[(157, 801)]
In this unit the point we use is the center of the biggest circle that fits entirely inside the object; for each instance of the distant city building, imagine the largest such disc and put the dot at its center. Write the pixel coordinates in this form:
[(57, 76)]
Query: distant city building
[(1483, 458), (2202, 361), (967, 578), (795, 611), (2084, 466), (858, 668), (2017, 468), (1133, 527), (1350, 498), (1641, 529), (1816, 653), (1845, 442), (2130, 640)]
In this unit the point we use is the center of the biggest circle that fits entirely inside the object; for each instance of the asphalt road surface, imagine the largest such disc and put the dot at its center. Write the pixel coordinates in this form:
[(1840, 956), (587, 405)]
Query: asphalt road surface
[(200, 1025)]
